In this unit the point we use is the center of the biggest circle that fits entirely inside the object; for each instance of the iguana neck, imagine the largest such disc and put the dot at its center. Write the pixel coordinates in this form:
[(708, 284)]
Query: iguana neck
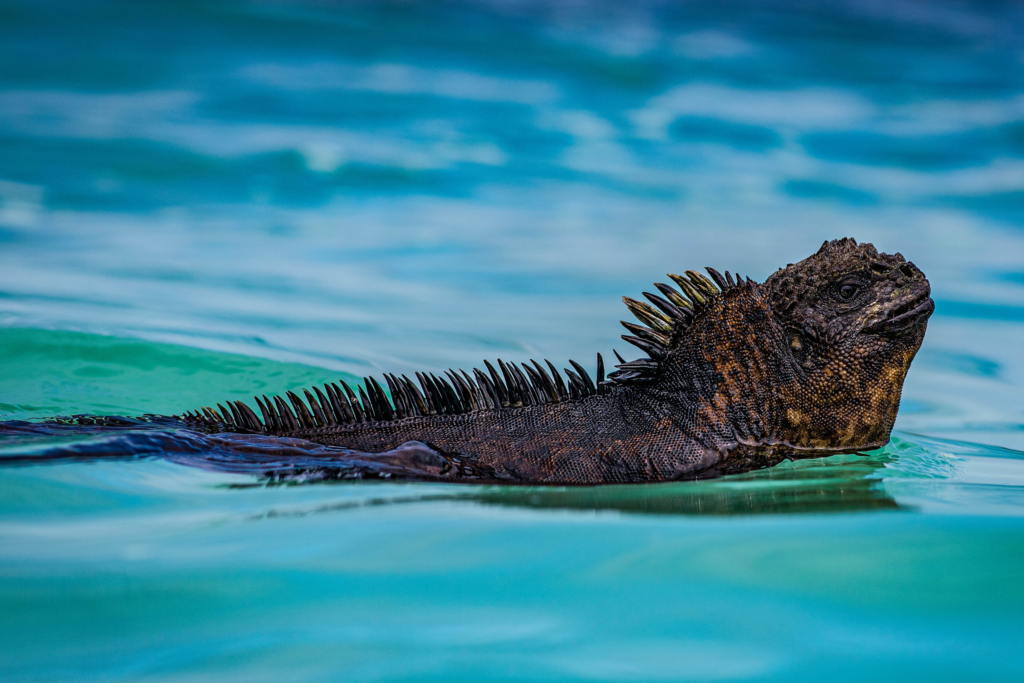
[(719, 378)]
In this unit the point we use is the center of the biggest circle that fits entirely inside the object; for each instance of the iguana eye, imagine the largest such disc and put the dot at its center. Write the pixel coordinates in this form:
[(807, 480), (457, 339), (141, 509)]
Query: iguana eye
[(847, 291)]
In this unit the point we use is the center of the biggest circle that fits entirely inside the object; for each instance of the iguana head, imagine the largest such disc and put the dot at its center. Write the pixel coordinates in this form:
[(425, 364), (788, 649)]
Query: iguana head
[(851, 320), (812, 360)]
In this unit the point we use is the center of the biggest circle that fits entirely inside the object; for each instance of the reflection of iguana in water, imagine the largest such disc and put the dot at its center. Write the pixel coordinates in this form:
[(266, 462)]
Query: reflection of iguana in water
[(738, 376)]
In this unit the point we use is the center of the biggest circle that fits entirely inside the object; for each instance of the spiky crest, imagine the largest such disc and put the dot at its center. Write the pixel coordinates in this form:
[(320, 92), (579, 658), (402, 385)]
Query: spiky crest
[(458, 393), (666, 323), (455, 393)]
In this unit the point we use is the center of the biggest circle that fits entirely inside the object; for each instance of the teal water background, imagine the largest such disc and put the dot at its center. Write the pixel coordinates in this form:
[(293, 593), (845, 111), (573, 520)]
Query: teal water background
[(199, 201)]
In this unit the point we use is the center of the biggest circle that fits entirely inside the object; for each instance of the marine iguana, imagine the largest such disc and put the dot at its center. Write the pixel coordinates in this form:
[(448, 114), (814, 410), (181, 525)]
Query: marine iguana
[(737, 376)]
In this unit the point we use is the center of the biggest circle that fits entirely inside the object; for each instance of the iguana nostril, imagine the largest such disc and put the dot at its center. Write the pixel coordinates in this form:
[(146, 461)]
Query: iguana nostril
[(909, 269)]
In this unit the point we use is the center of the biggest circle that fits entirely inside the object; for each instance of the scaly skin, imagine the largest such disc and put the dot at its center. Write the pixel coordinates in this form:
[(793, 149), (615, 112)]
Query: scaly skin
[(809, 363)]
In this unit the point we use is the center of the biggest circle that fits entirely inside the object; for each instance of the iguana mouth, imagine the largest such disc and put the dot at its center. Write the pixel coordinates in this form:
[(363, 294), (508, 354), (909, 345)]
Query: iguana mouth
[(906, 316)]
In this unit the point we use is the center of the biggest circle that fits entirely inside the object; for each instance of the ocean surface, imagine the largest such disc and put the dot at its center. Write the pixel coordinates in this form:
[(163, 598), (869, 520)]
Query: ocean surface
[(207, 200)]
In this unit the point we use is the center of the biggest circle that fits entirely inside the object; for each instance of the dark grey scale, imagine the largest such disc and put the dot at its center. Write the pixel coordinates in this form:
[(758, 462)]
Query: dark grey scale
[(298, 408), (238, 417), (534, 380), (228, 416), (408, 404), (250, 417), (370, 395), (559, 384), (515, 398), (230, 419), (436, 394), (286, 414), (345, 391), (415, 409), (702, 284), (387, 412), (432, 393), (284, 422), (325, 407), (387, 404), (587, 382), (522, 386), (428, 406), (454, 400), (336, 404), (600, 371), (357, 409), (475, 392), (650, 348), (646, 333), (444, 401), (523, 373), (460, 392), (471, 391), (428, 393), (667, 307), (421, 405), (301, 412), (506, 393), (549, 384), (268, 416), (243, 416), (231, 414), (545, 384), (395, 400), (409, 396), (497, 384), (692, 293), (339, 403), (536, 387), (488, 388), (647, 315), (454, 403), (396, 397), (501, 390), (375, 399), (578, 386), (319, 418), (575, 384), (681, 303), (294, 421), (440, 396), (537, 393), (368, 408)]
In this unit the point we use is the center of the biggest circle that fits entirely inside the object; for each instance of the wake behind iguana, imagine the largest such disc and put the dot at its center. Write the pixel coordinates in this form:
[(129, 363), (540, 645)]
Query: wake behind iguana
[(737, 376)]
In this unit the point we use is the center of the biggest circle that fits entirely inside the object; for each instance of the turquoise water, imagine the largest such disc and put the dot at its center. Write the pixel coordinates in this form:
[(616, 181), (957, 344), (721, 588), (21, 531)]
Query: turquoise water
[(200, 201)]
